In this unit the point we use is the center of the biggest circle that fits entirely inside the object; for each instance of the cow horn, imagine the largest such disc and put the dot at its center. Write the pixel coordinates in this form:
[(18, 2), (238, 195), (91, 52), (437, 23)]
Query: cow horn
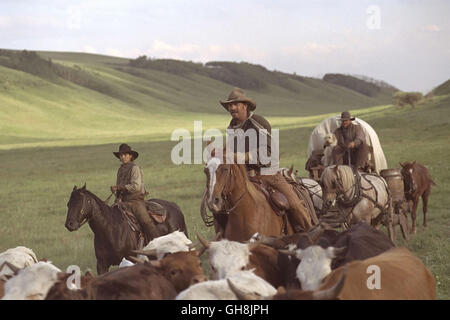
[(339, 251), (136, 260), (241, 295), (193, 245), (315, 233), (333, 292), (204, 242), (148, 252), (288, 252), (13, 268)]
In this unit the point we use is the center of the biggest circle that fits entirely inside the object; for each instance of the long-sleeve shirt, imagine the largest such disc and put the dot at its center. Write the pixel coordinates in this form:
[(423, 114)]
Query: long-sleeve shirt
[(256, 123), (130, 176), (353, 133)]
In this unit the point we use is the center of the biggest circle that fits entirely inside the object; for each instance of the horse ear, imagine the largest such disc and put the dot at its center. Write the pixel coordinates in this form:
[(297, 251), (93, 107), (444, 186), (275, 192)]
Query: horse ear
[(291, 169), (336, 169), (74, 188), (413, 163), (84, 187), (402, 164)]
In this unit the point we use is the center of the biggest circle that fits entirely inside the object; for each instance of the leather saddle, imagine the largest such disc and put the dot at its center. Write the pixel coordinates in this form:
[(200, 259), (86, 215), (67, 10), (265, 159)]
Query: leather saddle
[(277, 200), (155, 211)]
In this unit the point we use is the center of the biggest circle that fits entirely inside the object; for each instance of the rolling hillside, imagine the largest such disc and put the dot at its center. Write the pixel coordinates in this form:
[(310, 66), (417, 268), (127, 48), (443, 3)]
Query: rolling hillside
[(57, 98)]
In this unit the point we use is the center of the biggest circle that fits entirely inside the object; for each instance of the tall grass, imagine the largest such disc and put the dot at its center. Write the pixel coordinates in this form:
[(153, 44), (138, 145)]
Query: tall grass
[(37, 182)]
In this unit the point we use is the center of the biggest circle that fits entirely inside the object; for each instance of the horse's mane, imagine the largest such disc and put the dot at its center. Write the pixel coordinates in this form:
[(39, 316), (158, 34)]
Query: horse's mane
[(249, 185), (100, 202), (345, 173)]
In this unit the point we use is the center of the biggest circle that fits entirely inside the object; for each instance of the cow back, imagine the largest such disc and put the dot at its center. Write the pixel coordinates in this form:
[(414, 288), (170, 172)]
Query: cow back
[(402, 277)]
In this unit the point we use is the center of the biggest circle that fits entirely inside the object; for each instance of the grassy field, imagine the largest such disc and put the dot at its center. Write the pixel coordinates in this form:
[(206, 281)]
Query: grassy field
[(111, 100), (37, 182), (57, 134)]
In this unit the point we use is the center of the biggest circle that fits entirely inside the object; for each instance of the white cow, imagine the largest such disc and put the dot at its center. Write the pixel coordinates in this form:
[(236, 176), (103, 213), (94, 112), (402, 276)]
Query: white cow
[(170, 243), (314, 266), (227, 258), (32, 282), (246, 280), (19, 257)]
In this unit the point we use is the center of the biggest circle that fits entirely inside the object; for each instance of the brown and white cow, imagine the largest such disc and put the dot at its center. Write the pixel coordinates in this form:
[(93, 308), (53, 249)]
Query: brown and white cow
[(402, 276), (154, 280), (229, 257)]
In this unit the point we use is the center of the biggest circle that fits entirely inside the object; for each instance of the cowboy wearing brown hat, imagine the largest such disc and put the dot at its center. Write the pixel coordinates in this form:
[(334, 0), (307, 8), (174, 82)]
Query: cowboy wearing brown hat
[(130, 190), (241, 110), (351, 143)]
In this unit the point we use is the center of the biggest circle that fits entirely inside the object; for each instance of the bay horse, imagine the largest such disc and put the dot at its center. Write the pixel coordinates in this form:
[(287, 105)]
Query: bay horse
[(113, 237), (418, 183), (359, 196), (240, 208)]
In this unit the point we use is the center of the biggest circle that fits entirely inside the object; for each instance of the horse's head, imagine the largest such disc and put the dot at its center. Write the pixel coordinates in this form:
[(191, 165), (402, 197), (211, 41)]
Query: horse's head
[(329, 181), (337, 183), (408, 176), (79, 208), (218, 176)]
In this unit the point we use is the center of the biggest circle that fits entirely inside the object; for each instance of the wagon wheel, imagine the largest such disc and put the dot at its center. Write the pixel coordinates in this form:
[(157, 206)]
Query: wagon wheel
[(403, 219), (389, 218)]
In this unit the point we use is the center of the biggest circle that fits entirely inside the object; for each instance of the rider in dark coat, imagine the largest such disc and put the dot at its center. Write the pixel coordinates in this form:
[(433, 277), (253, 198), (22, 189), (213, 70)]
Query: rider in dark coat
[(351, 143), (130, 190), (241, 109)]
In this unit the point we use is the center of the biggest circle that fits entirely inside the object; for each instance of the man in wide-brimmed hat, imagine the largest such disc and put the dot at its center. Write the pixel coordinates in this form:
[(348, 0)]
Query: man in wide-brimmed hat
[(241, 110), (351, 143), (130, 189)]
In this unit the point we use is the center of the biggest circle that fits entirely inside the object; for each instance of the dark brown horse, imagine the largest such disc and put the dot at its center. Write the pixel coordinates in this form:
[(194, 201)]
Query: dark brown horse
[(417, 184), (113, 237), (240, 208)]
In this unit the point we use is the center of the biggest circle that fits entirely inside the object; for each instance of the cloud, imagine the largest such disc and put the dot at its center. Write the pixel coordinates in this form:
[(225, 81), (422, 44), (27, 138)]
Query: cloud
[(204, 53), (311, 49), (432, 28), (29, 22), (89, 49)]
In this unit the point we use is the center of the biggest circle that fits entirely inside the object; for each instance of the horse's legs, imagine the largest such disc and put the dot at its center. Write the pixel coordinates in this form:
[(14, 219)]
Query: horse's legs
[(102, 267), (413, 214), (425, 206)]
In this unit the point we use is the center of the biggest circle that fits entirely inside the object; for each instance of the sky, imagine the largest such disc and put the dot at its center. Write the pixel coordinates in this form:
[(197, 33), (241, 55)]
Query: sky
[(403, 42)]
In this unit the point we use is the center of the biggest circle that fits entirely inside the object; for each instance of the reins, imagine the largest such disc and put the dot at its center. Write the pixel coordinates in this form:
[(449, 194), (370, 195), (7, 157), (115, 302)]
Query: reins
[(225, 196), (87, 217)]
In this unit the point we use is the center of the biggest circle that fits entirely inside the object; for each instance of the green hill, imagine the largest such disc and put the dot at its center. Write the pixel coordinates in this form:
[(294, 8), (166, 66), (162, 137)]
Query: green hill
[(66, 98), (442, 89)]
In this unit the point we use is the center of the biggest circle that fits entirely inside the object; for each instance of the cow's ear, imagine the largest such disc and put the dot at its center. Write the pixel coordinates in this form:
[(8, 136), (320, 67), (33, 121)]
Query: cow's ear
[(333, 252)]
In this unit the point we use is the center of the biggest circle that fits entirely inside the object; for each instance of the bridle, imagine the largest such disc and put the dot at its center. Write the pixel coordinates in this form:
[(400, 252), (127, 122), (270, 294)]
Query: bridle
[(227, 195), (341, 192), (85, 217)]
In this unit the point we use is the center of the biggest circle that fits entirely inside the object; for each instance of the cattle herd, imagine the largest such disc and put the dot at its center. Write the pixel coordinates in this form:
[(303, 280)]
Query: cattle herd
[(358, 263)]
